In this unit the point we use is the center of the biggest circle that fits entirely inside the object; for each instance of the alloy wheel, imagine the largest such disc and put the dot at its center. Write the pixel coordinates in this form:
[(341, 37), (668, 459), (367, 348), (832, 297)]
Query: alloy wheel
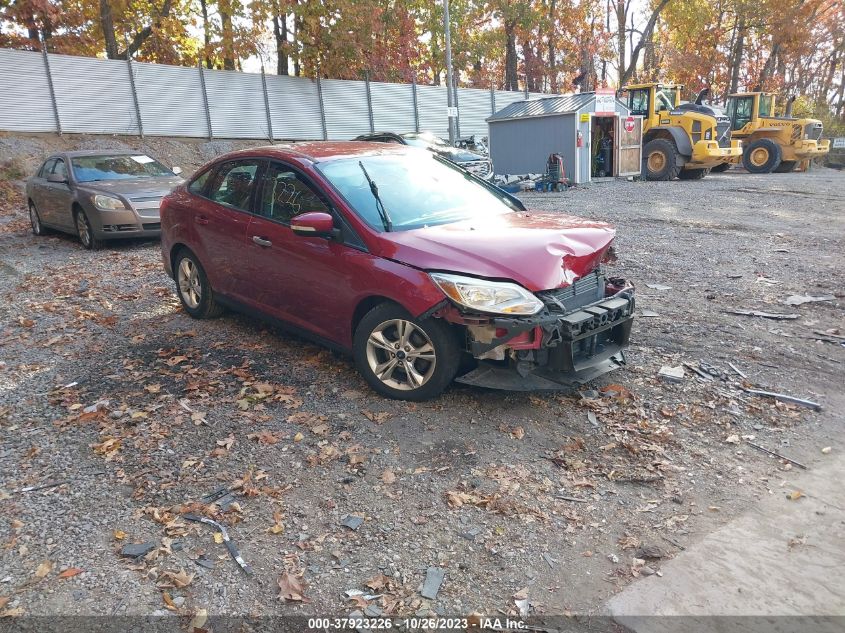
[(189, 283), (34, 219), (400, 354), (83, 230)]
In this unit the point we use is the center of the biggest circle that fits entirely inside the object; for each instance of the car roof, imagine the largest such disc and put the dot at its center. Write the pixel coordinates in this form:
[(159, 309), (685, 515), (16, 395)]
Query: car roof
[(100, 152), (322, 151)]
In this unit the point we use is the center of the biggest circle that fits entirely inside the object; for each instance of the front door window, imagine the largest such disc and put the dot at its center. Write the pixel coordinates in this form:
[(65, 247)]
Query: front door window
[(232, 184), (638, 102), (740, 110), (286, 194)]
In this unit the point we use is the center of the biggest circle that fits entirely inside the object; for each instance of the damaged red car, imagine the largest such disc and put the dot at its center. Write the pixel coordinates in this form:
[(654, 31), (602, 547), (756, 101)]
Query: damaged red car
[(425, 273)]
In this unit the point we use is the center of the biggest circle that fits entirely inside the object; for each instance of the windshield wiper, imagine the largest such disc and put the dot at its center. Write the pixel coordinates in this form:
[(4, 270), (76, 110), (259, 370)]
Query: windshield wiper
[(382, 211)]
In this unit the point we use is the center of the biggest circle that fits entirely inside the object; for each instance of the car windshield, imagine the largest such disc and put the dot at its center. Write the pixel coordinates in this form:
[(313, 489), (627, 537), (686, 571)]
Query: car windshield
[(117, 167), (417, 190)]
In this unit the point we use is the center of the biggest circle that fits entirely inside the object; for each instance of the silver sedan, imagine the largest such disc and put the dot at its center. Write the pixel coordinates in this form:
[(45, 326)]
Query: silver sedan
[(99, 195)]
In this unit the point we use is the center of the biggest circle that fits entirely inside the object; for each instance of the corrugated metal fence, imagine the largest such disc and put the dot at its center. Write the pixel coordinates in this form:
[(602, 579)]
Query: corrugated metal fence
[(61, 93)]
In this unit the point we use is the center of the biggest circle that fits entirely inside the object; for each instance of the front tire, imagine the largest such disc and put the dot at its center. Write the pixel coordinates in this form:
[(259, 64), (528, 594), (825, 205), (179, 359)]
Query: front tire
[(693, 174), (194, 289), (661, 159), (35, 220), (85, 232), (405, 358), (762, 156)]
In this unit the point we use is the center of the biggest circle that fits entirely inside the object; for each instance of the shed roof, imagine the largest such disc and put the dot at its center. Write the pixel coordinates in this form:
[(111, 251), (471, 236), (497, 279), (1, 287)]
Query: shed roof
[(563, 104)]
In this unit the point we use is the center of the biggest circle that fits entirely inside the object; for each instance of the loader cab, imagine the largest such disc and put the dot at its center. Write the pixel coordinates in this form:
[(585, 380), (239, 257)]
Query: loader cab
[(649, 100), (745, 108)]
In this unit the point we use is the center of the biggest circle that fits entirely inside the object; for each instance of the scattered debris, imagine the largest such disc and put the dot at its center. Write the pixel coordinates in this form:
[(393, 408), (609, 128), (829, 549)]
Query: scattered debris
[(826, 450), (778, 455), (737, 370), (672, 374), (233, 551), (795, 495), (785, 398), (766, 315), (551, 562), (658, 287), (136, 550), (648, 313), (520, 599), (576, 499), (352, 522), (433, 579), (650, 550), (797, 300), (698, 371), (52, 484)]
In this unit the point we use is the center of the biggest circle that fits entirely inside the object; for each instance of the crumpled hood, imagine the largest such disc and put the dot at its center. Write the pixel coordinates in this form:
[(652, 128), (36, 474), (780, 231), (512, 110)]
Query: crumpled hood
[(540, 251)]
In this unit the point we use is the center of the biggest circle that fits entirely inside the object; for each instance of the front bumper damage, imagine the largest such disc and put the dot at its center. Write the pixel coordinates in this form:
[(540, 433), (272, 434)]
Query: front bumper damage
[(579, 336)]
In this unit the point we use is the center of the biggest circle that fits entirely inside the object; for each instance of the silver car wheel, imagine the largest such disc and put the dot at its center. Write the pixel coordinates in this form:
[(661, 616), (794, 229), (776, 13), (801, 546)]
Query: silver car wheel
[(400, 354), (188, 279), (82, 230), (34, 220)]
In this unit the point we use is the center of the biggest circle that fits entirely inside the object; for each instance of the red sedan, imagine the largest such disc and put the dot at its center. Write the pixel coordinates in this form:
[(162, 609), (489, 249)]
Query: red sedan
[(410, 263)]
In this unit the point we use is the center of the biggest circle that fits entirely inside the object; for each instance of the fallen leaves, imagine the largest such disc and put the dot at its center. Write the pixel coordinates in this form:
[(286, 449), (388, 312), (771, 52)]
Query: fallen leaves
[(178, 579), (795, 495), (388, 476), (266, 438), (292, 588), (378, 418), (71, 572), (43, 569)]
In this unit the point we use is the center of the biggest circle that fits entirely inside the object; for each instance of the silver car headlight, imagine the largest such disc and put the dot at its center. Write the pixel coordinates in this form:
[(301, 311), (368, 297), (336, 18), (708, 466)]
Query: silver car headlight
[(109, 203), (494, 297)]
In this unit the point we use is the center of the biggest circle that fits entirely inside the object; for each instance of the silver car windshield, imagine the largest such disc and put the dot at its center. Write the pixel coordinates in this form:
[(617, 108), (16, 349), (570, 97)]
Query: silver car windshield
[(417, 189), (117, 167)]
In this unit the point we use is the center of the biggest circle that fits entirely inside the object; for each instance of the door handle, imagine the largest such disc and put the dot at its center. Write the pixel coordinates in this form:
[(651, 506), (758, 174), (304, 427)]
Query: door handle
[(261, 241), (200, 219)]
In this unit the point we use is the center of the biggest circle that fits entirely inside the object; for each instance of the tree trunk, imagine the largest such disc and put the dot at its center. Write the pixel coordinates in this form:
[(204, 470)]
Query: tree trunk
[(736, 56), (297, 29), (511, 72), (107, 25), (552, 70), (228, 34), (206, 35), (280, 32), (769, 66), (646, 37), (621, 20)]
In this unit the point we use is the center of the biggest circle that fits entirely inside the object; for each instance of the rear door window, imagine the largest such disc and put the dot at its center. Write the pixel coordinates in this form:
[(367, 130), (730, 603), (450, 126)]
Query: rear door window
[(233, 184)]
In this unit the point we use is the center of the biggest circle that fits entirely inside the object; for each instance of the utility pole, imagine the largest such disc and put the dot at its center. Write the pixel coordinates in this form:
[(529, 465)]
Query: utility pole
[(449, 99)]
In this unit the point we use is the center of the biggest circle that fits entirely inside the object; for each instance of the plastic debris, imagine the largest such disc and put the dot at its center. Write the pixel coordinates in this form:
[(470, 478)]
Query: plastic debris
[(797, 300), (352, 522), (672, 374), (433, 579)]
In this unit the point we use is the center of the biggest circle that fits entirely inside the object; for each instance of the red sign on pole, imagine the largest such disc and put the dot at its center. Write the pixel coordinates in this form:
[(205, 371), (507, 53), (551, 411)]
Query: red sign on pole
[(629, 124)]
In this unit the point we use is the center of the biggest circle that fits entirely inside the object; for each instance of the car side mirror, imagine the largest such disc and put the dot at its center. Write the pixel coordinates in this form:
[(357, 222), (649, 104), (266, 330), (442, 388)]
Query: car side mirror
[(177, 170), (313, 224), (56, 178)]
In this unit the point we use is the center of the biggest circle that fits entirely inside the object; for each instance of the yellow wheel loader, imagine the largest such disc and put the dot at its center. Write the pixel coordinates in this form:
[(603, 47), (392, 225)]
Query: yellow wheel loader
[(679, 140), (771, 143)]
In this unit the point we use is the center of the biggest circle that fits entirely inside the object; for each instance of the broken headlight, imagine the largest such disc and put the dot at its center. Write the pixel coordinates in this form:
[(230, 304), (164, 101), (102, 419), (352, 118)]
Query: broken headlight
[(494, 297)]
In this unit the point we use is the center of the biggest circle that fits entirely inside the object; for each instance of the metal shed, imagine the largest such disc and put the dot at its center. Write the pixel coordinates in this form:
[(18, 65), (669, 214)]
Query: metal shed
[(593, 131)]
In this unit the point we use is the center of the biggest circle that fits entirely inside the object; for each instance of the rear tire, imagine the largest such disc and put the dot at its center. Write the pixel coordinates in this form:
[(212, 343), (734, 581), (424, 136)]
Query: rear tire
[(761, 156), (85, 232), (661, 159), (194, 289), (693, 174), (722, 167), (418, 369), (785, 166)]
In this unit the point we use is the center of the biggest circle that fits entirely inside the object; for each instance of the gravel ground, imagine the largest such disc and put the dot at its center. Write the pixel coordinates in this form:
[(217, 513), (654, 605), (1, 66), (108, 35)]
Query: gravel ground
[(107, 386)]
